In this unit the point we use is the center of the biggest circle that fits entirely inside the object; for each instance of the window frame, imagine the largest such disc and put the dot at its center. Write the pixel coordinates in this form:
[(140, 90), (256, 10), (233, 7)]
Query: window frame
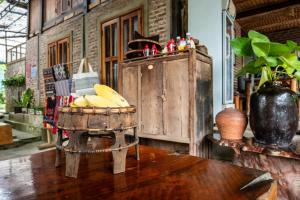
[(128, 16), (111, 58), (228, 52), (120, 55), (56, 44)]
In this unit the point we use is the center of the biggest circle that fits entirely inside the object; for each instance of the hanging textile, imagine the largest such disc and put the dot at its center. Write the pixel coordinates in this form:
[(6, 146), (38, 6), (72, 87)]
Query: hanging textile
[(61, 72), (49, 82)]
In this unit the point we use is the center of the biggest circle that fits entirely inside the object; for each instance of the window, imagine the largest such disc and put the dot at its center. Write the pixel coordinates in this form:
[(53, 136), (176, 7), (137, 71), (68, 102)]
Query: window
[(59, 53), (129, 24), (110, 52), (115, 35), (228, 58)]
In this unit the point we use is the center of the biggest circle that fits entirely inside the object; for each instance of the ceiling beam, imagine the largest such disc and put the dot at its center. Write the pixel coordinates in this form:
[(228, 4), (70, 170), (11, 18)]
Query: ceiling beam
[(278, 26), (268, 8)]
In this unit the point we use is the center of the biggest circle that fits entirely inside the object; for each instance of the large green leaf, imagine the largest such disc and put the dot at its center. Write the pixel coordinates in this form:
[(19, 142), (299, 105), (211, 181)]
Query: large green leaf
[(291, 60), (242, 46), (291, 44), (261, 62), (278, 49), (264, 77), (272, 61), (261, 49), (258, 37), (289, 70), (249, 68)]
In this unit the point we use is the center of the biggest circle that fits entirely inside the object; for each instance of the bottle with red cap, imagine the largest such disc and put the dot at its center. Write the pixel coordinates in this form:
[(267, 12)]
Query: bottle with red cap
[(154, 50), (146, 51), (171, 46)]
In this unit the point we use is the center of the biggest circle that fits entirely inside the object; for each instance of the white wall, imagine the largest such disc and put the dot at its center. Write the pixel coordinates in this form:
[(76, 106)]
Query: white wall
[(205, 24)]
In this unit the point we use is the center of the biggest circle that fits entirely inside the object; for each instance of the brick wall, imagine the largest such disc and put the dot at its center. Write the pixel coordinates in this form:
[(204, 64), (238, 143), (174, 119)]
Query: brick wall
[(158, 19), (155, 22), (32, 60)]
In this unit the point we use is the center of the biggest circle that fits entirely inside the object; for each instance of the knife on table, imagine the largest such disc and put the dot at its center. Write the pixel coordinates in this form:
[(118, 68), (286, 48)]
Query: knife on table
[(264, 177)]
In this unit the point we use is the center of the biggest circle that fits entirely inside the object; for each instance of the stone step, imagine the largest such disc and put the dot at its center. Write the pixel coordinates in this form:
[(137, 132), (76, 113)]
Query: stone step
[(28, 128), (20, 138)]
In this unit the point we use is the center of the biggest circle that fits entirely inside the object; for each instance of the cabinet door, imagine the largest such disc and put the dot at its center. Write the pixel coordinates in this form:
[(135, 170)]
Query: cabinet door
[(176, 104), (130, 87), (151, 100)]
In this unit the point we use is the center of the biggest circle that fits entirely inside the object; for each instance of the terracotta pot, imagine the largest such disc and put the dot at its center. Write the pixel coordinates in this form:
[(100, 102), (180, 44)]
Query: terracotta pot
[(231, 123)]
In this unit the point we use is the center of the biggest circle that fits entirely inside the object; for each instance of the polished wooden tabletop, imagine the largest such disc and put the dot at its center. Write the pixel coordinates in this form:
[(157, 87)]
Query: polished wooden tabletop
[(158, 175)]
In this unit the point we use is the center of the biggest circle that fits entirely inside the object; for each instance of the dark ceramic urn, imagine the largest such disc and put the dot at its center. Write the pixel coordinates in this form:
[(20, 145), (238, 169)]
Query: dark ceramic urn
[(274, 115)]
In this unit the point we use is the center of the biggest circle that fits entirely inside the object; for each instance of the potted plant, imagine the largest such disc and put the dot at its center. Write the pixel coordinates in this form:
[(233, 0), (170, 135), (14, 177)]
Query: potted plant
[(273, 108), (27, 97), (39, 110), (31, 111), (18, 105), (24, 102)]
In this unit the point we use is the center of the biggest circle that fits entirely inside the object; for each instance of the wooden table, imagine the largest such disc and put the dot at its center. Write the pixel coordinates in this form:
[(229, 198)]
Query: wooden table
[(158, 175)]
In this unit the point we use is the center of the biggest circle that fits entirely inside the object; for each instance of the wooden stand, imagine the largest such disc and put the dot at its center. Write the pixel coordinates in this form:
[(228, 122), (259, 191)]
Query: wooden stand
[(5, 134), (109, 122)]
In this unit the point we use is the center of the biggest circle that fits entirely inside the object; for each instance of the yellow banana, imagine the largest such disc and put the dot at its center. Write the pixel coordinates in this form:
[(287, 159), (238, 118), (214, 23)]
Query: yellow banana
[(97, 101), (80, 102), (111, 95)]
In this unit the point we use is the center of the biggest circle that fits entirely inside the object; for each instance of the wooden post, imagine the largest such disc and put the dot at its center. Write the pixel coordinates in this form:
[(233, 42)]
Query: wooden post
[(136, 137), (58, 151), (237, 102), (119, 156), (294, 85), (73, 159), (248, 94)]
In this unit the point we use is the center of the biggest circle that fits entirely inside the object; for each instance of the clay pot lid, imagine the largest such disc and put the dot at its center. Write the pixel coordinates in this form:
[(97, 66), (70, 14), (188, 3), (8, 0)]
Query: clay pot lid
[(134, 54)]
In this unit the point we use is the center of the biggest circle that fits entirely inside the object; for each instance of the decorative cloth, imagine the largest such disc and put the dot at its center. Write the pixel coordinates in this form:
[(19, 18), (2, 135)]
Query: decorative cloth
[(62, 88), (61, 72), (51, 116), (49, 82)]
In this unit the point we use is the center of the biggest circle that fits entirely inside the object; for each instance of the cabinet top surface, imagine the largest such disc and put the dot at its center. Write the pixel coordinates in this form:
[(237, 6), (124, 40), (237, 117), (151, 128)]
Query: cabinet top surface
[(168, 57)]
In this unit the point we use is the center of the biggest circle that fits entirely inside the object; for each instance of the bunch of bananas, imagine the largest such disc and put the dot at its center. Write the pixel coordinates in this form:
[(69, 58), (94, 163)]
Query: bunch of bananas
[(106, 97)]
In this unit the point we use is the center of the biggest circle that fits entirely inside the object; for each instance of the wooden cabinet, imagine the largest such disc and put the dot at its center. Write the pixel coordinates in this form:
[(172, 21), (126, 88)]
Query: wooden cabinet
[(173, 96)]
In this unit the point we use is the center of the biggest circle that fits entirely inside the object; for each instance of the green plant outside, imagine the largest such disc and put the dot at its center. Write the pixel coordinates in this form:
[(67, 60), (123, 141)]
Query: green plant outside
[(2, 98), (26, 99), (271, 60), (14, 81)]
